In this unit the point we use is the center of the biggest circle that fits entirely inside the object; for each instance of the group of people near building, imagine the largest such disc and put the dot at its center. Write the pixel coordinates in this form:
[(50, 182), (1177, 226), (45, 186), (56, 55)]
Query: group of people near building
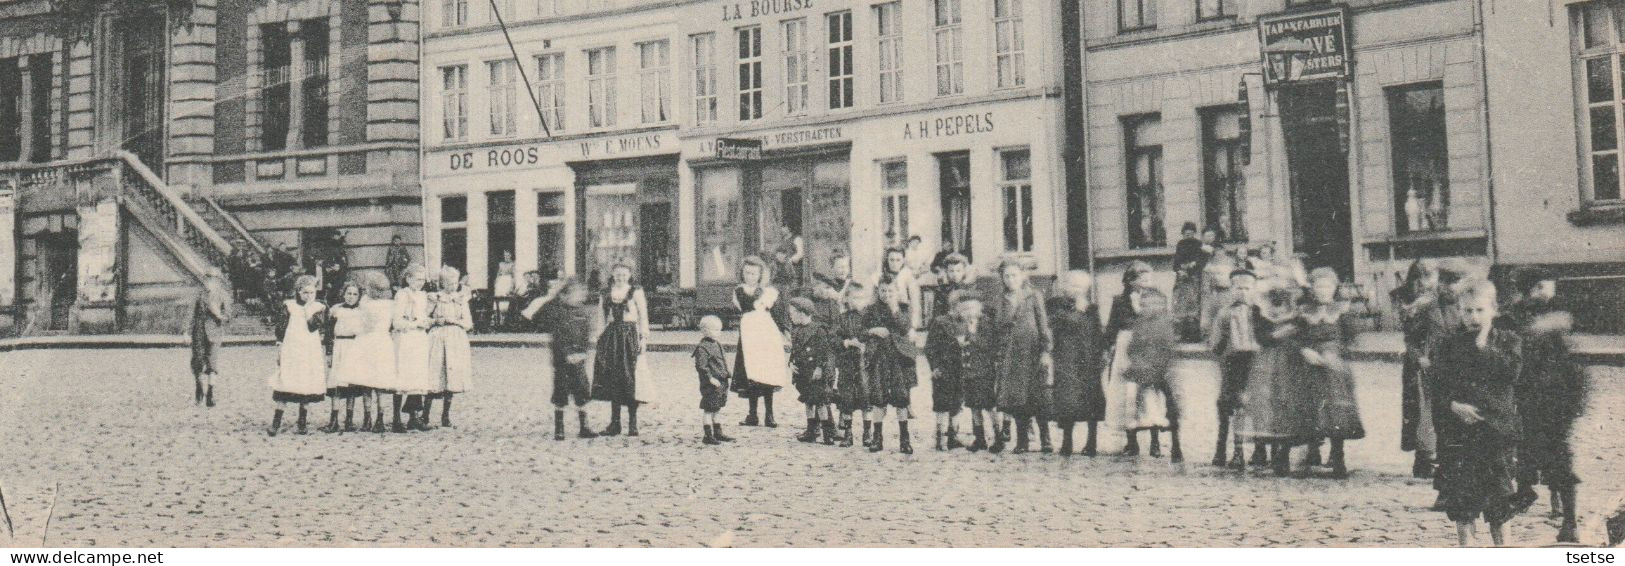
[(407, 344)]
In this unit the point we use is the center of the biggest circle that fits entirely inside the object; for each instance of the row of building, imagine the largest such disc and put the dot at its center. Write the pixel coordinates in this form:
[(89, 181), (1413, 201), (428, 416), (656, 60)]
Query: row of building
[(680, 136)]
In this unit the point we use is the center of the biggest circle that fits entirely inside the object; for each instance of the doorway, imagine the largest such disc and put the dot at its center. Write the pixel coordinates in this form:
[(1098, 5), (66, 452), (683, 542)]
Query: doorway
[(954, 189), (499, 230), (655, 261), (1322, 229), (58, 257)]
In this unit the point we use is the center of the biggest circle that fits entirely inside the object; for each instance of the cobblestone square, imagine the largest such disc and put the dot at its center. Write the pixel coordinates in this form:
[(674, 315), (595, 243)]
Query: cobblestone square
[(134, 463)]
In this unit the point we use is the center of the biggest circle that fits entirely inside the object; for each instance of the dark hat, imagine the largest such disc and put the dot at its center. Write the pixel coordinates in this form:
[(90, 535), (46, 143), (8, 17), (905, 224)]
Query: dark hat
[(803, 304), (1453, 269), (1530, 277)]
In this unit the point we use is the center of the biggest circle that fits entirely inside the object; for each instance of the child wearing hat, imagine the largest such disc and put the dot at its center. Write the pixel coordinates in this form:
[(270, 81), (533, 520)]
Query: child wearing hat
[(811, 347)]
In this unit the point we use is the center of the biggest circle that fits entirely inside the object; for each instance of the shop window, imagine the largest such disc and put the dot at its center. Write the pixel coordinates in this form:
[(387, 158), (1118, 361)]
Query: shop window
[(454, 13), (453, 209), (750, 72), (705, 77), (654, 80), (839, 28), (601, 87), (889, 33), (894, 201), (501, 94), (1010, 44), (1144, 175), (1134, 15), (454, 102), (954, 189), (313, 85), (550, 89), (276, 95), (1421, 158), (1224, 184), (795, 65), (1215, 9), (1599, 48), (721, 235), (1016, 187), (950, 47), (550, 223)]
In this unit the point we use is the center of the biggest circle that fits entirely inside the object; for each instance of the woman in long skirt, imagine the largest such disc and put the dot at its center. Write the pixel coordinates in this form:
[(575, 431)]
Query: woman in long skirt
[(301, 374), (1125, 311), (1328, 328), (1079, 347), (374, 351), (411, 333), (451, 359), (345, 322), (1023, 358), (626, 327), (760, 367)]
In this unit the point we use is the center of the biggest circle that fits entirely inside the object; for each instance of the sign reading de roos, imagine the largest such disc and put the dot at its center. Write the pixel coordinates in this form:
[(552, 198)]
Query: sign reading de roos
[(557, 153), (1316, 43)]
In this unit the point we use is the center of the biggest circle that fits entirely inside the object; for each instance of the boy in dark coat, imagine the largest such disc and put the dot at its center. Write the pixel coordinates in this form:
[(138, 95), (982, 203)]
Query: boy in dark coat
[(712, 368), (955, 278), (946, 350), (569, 321), (1233, 337), (1551, 395), (811, 351), (1475, 411), (851, 381), (889, 360)]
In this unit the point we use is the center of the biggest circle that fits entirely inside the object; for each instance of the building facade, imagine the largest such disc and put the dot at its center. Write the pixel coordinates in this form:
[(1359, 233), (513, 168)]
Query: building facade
[(1352, 133), (684, 136), (1554, 88), (162, 139)]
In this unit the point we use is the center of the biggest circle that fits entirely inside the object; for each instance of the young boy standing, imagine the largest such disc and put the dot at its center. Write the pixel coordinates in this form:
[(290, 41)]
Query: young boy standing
[(889, 359), (570, 322), (810, 352), (1551, 395), (1232, 337), (943, 352), (712, 368), (1475, 413)]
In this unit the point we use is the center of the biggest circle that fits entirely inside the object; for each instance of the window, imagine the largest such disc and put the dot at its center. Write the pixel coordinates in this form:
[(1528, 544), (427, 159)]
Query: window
[(30, 139), (705, 77), (546, 8), (313, 86), (719, 237), (276, 94), (1016, 186), (839, 28), (1009, 45), (454, 13), (454, 232), (1135, 15), (950, 38), (550, 224), (1144, 159), (750, 72), (1215, 9), (502, 97), (454, 101), (1600, 48), (550, 89), (601, 87), (1224, 199), (11, 108), (500, 10), (889, 30), (894, 200), (1421, 158), (795, 65), (654, 80)]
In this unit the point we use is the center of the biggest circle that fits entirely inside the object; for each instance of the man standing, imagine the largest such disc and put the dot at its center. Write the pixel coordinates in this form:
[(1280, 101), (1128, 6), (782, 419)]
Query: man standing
[(396, 261)]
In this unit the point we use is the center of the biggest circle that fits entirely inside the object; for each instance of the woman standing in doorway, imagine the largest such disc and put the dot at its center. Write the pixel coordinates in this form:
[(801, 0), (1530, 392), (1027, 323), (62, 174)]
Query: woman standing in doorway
[(787, 258), (626, 328), (760, 367)]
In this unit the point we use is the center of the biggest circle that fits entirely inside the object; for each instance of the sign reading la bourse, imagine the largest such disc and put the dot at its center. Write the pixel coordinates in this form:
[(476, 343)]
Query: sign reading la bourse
[(1305, 47)]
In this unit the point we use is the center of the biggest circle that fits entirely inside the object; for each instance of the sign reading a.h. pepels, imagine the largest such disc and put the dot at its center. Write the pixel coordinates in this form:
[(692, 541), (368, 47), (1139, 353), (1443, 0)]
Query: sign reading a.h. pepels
[(1304, 47)]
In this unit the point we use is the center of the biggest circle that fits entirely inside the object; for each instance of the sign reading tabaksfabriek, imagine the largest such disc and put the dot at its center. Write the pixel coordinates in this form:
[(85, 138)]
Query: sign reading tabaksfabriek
[(1303, 47)]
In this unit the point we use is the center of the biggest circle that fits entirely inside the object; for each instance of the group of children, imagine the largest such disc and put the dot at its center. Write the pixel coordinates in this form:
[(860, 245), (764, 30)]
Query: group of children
[(408, 343)]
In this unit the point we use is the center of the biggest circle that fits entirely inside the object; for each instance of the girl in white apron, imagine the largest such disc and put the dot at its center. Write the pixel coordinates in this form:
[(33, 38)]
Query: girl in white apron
[(760, 366), (345, 322), (301, 374), (375, 351), (411, 332)]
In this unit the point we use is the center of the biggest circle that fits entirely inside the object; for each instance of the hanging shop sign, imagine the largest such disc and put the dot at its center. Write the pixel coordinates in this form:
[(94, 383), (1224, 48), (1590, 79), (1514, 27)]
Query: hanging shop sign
[(1304, 47), (739, 149)]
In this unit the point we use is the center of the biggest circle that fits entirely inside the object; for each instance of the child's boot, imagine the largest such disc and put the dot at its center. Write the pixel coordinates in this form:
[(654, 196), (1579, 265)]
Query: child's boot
[(717, 428), (1175, 454), (953, 436), (1238, 461), (846, 433), (1132, 446), (1066, 439), (632, 419), (710, 439), (1023, 431), (614, 428), (276, 422), (1156, 444), (197, 391), (349, 419), (828, 427), (208, 396), (877, 439), (445, 412), (1261, 455), (332, 422), (558, 425), (1312, 459), (1422, 466), (767, 407), (979, 442), (366, 421), (1043, 437), (1219, 445), (750, 419), (998, 439), (868, 433), (585, 431), (811, 434), (397, 426), (1089, 443), (903, 444), (1339, 467), (301, 427)]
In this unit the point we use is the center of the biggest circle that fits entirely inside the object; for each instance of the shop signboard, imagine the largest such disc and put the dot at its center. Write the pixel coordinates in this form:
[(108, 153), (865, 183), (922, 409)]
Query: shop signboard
[(739, 149), (1305, 46)]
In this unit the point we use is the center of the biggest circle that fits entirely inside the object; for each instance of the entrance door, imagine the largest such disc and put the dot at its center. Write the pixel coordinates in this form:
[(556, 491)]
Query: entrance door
[(1322, 229), (655, 262), (59, 282), (142, 39), (954, 188), (499, 232)]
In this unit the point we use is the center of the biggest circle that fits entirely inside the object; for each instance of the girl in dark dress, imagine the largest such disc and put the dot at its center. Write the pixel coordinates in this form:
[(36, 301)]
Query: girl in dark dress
[(946, 351), (1079, 355), (851, 379), (1023, 359), (1551, 395), (1327, 330), (1475, 410), (1418, 311), (890, 356), (626, 327), (760, 366)]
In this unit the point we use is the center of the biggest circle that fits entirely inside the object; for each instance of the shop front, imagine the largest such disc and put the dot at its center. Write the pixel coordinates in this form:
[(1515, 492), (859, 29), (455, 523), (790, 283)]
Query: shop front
[(627, 215)]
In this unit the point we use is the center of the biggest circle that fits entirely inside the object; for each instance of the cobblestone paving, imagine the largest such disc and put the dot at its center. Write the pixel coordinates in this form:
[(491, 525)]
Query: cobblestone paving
[(135, 464)]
